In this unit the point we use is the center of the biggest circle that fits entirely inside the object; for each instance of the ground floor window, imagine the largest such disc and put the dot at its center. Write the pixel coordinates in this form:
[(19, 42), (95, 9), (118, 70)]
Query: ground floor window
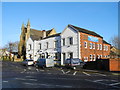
[(90, 57), (85, 59), (70, 55)]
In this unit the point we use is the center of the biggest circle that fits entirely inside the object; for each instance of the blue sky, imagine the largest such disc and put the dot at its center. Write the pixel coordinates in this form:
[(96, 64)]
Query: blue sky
[(100, 17)]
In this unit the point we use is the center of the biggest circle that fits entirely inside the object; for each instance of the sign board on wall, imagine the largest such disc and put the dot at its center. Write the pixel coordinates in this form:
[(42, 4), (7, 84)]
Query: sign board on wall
[(93, 39)]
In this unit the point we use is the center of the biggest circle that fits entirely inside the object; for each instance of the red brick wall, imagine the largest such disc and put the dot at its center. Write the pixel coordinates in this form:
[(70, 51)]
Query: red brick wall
[(114, 64), (85, 52)]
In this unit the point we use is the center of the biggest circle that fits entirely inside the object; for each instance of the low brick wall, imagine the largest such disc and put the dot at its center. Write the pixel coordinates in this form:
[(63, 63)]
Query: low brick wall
[(114, 64)]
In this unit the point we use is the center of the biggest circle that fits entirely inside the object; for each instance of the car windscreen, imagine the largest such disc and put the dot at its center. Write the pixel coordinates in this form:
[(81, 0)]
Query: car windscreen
[(75, 61)]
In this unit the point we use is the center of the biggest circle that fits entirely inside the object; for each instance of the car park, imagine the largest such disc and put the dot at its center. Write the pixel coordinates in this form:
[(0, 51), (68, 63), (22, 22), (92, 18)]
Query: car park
[(74, 63), (44, 63), (28, 62)]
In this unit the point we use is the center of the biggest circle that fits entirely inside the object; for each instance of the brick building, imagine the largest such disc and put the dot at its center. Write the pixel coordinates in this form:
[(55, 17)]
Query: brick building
[(80, 43)]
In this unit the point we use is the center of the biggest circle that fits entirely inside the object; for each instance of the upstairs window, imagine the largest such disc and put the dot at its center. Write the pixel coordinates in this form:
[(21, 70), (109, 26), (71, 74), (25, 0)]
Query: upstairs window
[(46, 44), (70, 40), (40, 45), (93, 45), (100, 46), (30, 47), (90, 45), (70, 55), (63, 41), (97, 46), (56, 44), (85, 44)]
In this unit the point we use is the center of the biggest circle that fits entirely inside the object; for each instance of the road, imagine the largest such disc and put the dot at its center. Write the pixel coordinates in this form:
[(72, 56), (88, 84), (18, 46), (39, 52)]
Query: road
[(14, 75)]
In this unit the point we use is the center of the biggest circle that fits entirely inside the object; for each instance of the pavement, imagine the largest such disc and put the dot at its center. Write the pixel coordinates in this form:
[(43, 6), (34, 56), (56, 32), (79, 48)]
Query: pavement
[(15, 75)]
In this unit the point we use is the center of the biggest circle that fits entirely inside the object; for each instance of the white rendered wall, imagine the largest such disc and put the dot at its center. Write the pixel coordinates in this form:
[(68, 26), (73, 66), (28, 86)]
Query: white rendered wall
[(69, 32)]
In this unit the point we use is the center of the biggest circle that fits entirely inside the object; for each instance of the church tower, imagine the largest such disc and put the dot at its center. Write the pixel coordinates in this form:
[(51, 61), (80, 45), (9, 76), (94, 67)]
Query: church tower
[(28, 30)]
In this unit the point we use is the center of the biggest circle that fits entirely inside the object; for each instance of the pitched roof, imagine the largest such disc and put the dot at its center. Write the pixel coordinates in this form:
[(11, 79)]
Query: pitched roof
[(36, 32), (106, 42), (84, 30), (58, 34), (34, 37), (48, 32)]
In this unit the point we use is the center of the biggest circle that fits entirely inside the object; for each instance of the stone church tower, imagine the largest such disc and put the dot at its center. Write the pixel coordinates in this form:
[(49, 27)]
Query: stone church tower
[(26, 32)]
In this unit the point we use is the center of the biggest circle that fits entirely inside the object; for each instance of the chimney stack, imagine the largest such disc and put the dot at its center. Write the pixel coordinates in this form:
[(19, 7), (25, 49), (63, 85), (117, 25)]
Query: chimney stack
[(44, 33)]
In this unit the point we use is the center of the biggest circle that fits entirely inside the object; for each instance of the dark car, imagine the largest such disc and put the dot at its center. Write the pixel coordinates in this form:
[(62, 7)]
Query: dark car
[(74, 63)]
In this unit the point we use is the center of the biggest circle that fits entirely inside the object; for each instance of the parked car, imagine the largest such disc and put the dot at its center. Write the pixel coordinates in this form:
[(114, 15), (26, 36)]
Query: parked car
[(74, 63), (45, 63), (28, 62)]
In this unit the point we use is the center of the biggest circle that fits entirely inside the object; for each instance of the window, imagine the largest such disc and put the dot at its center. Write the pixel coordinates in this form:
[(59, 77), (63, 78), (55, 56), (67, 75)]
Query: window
[(70, 40), (63, 41), (93, 45), (70, 55), (97, 46), (40, 45), (56, 56), (30, 46), (90, 57), (94, 57), (85, 59), (47, 44), (85, 44), (90, 45), (56, 44), (104, 47), (100, 46)]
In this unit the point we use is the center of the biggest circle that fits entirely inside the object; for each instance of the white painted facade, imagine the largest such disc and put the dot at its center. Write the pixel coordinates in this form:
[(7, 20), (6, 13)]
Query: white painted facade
[(29, 51), (67, 48), (40, 50)]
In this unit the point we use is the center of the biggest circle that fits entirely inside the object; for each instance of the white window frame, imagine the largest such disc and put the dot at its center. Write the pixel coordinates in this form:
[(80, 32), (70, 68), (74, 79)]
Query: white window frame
[(90, 57), (85, 44), (63, 43), (85, 59), (94, 57), (98, 47), (69, 40), (91, 45), (106, 48)]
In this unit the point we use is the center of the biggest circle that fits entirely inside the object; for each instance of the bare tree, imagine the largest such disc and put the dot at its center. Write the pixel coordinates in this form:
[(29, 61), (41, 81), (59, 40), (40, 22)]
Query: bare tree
[(12, 46), (115, 41)]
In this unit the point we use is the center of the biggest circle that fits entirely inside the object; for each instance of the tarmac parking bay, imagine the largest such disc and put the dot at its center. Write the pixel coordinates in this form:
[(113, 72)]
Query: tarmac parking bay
[(17, 76)]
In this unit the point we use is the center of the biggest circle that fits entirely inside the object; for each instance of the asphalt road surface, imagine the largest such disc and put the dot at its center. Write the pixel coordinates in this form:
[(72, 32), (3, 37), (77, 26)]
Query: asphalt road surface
[(14, 75)]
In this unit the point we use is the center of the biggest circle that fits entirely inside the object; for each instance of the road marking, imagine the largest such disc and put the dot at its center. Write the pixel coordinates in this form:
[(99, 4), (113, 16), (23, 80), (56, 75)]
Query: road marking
[(101, 74), (4, 81), (63, 71), (37, 70), (20, 78), (49, 73), (29, 76), (86, 74), (114, 84), (33, 79), (102, 83), (74, 72), (23, 71), (67, 71), (42, 70), (97, 80)]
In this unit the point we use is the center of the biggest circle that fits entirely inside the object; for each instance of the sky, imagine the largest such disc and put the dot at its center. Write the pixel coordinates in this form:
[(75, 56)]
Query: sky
[(100, 17)]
